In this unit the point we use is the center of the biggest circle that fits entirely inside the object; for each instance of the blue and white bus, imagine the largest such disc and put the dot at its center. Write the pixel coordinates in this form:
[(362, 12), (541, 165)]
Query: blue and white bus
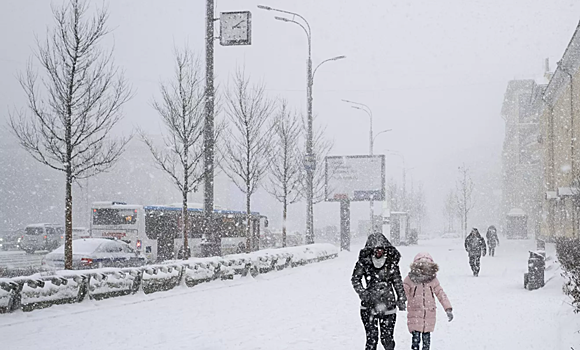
[(156, 230)]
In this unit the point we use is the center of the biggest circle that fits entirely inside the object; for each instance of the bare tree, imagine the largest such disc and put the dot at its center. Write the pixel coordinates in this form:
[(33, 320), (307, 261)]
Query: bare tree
[(76, 104), (464, 196), (450, 211), (245, 155), (285, 165), (182, 110)]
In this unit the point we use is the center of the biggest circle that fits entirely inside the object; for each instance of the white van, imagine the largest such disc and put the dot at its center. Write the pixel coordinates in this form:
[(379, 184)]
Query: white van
[(42, 237)]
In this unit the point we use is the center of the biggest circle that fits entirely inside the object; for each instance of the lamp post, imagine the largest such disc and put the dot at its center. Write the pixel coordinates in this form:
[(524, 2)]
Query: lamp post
[(309, 161)]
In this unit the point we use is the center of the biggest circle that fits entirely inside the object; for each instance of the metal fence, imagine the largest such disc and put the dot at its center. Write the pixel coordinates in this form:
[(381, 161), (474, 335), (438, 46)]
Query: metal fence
[(42, 290)]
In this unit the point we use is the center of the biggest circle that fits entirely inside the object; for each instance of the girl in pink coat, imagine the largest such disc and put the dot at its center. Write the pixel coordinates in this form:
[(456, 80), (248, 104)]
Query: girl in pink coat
[(421, 286)]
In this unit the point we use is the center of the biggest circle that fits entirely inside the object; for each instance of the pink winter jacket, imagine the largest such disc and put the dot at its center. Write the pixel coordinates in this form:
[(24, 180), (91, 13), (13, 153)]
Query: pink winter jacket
[(421, 306)]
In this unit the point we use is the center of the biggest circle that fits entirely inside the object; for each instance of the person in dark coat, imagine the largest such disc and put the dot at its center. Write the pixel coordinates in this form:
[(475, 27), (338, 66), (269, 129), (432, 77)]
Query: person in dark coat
[(492, 239), (382, 292), (475, 247)]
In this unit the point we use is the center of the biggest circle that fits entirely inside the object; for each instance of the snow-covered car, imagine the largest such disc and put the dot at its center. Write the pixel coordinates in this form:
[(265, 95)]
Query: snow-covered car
[(95, 253)]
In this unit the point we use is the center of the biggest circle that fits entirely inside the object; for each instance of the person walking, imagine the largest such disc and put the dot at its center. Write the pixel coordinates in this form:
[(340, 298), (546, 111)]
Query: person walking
[(492, 239), (382, 292), (421, 287), (475, 247)]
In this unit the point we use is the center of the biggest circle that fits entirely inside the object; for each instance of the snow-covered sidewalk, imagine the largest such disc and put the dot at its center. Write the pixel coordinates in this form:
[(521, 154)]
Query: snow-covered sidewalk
[(311, 307)]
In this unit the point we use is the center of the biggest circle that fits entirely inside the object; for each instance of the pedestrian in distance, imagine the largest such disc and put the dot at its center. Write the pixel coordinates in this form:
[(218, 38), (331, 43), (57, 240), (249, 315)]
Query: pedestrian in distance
[(492, 239), (421, 287), (382, 292), (475, 247)]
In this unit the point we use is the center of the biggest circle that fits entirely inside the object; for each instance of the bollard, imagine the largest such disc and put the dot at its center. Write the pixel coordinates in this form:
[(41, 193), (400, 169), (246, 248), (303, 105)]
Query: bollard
[(534, 278)]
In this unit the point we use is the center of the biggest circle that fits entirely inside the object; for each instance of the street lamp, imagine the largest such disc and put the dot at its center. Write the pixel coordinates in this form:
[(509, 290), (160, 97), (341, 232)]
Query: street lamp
[(379, 133), (309, 161), (369, 112)]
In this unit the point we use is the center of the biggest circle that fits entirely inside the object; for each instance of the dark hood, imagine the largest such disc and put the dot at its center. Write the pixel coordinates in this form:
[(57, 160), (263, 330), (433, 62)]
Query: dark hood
[(378, 240)]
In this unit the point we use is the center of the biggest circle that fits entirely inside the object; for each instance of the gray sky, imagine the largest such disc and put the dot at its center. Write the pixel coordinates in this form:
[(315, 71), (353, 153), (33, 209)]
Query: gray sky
[(434, 71)]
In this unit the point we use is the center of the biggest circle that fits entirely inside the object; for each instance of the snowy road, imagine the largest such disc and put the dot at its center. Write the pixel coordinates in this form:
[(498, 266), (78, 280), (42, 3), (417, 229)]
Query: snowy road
[(310, 307)]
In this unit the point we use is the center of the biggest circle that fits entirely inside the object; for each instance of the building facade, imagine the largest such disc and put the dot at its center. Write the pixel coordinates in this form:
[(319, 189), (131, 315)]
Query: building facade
[(521, 163), (560, 133), (541, 159)]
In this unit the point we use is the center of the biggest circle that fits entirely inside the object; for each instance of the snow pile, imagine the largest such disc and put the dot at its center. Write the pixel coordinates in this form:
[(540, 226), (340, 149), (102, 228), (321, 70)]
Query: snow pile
[(48, 288)]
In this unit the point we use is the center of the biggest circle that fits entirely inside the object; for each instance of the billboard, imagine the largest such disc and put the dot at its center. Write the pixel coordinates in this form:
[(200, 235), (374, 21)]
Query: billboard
[(356, 178)]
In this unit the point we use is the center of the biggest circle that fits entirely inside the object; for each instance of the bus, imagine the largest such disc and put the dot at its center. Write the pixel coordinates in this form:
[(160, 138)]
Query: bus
[(156, 230)]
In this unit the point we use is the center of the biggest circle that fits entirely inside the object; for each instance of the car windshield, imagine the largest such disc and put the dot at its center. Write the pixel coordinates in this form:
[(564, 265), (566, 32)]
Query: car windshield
[(34, 231)]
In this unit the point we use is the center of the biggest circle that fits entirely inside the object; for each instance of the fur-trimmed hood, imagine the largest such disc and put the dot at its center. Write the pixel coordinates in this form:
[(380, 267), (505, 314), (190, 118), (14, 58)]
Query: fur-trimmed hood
[(423, 269)]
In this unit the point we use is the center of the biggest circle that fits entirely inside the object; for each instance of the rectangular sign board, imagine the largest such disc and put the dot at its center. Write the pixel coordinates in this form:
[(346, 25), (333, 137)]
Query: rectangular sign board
[(355, 178)]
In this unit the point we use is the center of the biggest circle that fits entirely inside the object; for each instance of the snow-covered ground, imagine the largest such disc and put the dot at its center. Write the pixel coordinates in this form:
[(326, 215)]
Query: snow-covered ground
[(311, 307)]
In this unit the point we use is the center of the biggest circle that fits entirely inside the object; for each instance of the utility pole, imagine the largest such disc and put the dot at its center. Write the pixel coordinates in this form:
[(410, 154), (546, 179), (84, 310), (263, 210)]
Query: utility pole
[(212, 248)]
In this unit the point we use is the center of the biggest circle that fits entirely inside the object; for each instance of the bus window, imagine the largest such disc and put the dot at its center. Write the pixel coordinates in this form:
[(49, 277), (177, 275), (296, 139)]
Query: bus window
[(158, 223), (109, 216)]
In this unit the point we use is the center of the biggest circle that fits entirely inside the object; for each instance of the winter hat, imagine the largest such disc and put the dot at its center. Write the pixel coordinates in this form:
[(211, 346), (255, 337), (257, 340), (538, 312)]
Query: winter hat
[(423, 268), (423, 257)]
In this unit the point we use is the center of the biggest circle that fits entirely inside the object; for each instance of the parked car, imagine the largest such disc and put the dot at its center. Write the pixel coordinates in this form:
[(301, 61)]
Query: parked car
[(41, 237), (91, 253), (10, 240)]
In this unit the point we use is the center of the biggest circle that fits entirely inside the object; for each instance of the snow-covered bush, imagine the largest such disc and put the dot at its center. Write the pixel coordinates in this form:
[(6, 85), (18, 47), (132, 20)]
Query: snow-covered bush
[(568, 250)]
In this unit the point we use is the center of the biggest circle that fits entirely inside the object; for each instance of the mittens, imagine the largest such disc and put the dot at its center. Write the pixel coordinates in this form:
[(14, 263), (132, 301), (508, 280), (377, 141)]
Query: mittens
[(449, 315)]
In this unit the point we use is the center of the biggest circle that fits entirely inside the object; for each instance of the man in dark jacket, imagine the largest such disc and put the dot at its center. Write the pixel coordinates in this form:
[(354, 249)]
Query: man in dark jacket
[(382, 292), (475, 247), (492, 239)]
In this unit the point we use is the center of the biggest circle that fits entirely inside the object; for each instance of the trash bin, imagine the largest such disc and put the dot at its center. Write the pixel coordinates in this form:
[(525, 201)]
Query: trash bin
[(534, 278)]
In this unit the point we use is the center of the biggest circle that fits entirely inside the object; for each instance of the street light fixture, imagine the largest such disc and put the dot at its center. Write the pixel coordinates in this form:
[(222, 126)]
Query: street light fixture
[(379, 133), (309, 162)]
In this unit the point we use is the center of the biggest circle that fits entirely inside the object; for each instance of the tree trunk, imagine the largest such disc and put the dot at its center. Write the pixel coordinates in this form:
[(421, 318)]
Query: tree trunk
[(249, 233), (284, 216), (185, 221), (68, 222)]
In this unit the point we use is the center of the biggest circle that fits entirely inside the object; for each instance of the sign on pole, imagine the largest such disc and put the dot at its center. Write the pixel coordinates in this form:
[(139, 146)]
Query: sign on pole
[(235, 28), (355, 178)]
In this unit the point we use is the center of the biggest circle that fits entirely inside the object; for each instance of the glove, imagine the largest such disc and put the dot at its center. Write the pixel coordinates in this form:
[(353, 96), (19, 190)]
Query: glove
[(401, 305), (449, 315)]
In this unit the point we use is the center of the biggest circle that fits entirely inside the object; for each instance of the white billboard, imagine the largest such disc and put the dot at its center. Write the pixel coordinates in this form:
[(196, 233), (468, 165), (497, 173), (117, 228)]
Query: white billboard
[(356, 178)]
